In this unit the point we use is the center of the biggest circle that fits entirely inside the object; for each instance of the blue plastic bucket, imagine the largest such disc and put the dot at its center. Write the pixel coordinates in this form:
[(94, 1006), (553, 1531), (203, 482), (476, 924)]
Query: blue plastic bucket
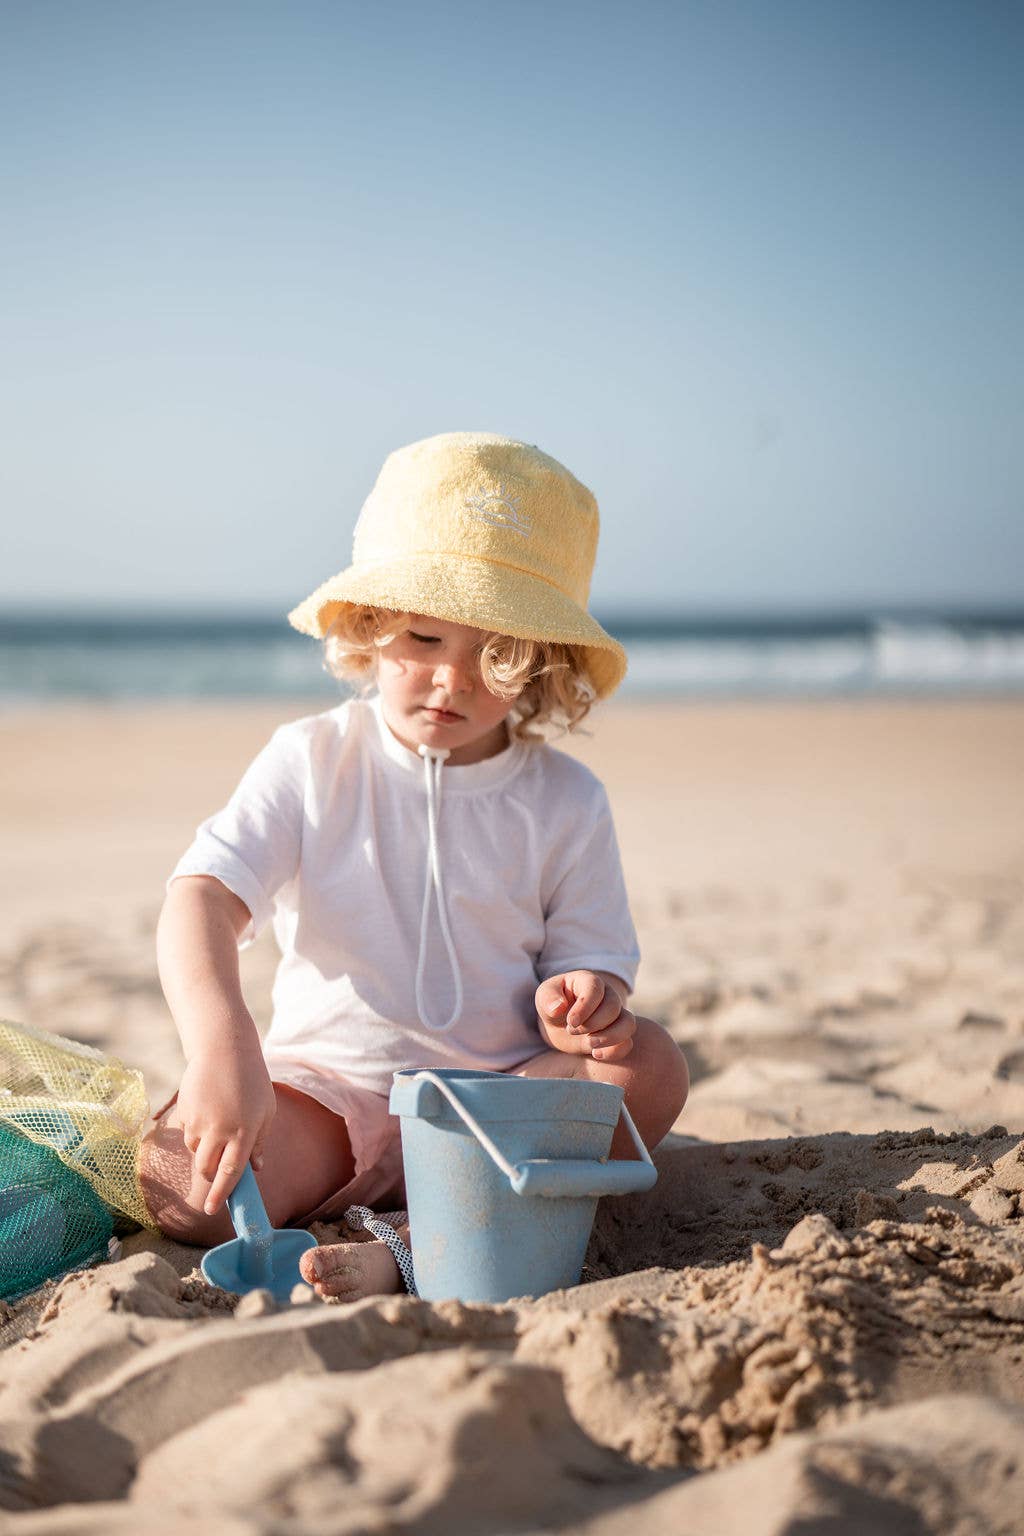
[(503, 1175)]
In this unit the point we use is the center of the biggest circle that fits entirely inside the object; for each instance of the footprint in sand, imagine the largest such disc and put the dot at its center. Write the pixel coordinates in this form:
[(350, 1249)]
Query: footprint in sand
[(1011, 1068)]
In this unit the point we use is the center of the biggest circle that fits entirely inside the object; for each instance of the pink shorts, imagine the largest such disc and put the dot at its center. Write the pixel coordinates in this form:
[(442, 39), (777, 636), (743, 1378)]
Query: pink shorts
[(374, 1134)]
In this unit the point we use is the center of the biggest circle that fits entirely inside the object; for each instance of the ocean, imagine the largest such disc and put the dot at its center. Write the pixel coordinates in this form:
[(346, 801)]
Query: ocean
[(137, 658)]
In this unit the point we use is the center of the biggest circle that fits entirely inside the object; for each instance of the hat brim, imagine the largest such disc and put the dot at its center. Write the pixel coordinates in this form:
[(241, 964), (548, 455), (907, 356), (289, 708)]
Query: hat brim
[(467, 590)]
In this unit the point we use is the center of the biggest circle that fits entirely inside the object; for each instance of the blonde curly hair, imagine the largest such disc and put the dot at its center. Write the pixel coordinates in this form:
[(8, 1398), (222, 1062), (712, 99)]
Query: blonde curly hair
[(547, 680)]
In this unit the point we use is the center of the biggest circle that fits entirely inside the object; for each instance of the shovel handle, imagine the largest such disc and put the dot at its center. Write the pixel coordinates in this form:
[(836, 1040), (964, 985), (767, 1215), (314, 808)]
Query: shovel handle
[(245, 1205), (560, 1177)]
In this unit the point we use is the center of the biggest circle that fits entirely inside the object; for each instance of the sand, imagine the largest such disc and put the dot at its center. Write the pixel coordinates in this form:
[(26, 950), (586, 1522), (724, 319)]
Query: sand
[(813, 1322)]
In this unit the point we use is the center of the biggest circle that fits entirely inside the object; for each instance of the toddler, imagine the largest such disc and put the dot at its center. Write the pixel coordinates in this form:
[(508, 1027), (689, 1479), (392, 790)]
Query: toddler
[(445, 887)]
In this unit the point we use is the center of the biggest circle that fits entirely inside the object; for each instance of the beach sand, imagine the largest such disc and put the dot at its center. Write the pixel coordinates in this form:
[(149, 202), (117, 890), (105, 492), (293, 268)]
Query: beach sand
[(814, 1322)]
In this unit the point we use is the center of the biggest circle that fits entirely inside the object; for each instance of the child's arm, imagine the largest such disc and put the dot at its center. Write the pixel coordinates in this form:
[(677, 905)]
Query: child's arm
[(226, 1100), (584, 1013)]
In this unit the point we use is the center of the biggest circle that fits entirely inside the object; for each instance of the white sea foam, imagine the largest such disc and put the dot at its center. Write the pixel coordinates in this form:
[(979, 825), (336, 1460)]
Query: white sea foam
[(940, 653), (882, 655)]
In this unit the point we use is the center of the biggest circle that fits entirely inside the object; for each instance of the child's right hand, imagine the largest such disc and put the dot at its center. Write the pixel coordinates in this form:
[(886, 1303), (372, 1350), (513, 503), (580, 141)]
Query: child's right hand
[(226, 1104)]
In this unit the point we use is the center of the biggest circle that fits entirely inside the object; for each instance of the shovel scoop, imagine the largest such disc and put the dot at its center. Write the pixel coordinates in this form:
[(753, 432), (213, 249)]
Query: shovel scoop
[(259, 1258)]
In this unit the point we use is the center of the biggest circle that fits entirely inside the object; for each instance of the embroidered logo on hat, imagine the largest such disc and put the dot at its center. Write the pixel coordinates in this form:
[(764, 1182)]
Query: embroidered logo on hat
[(501, 510)]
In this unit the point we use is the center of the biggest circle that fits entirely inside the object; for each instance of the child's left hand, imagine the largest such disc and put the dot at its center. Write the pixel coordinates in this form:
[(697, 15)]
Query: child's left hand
[(581, 1013)]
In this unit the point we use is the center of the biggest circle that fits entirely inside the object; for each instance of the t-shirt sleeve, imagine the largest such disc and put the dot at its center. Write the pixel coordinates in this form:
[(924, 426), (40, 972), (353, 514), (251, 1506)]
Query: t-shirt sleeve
[(253, 844), (588, 924)]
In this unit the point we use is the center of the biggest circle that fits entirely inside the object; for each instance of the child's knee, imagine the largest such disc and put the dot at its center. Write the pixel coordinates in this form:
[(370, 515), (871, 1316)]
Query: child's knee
[(166, 1176), (663, 1064)]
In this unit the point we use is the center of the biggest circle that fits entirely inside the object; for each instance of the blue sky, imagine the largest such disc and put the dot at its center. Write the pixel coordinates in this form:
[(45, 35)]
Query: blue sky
[(751, 270)]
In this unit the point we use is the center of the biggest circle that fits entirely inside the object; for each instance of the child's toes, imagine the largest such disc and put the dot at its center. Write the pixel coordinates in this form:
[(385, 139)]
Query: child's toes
[(340, 1285), (309, 1265), (351, 1270), (326, 1268)]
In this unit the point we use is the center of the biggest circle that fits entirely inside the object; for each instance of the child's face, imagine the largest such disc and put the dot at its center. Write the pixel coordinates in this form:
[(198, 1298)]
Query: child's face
[(433, 694)]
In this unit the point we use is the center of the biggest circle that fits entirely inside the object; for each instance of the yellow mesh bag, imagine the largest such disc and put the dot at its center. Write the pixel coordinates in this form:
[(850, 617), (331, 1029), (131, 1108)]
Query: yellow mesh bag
[(87, 1107)]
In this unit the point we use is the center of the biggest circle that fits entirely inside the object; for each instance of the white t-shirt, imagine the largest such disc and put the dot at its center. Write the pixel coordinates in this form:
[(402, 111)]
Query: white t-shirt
[(327, 835)]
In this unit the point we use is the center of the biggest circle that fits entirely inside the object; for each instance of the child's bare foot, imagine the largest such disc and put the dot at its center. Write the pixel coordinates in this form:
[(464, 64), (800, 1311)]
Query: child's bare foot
[(351, 1271)]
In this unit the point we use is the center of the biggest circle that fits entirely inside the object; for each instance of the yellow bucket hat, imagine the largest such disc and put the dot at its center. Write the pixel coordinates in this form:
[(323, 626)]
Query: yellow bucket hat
[(480, 530)]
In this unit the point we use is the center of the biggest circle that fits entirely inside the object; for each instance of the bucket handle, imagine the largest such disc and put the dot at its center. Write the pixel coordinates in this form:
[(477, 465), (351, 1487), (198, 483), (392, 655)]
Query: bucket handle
[(559, 1176)]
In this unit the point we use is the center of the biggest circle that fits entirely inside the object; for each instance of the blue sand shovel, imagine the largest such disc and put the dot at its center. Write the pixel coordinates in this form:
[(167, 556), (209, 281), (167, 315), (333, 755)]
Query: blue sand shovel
[(259, 1258)]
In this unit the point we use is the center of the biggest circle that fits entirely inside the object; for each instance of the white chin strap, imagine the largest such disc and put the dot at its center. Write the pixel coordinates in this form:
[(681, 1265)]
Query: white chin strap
[(433, 761)]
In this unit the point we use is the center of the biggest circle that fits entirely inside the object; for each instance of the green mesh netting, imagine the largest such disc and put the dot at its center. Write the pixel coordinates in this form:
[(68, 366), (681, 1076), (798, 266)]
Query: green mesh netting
[(51, 1219)]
